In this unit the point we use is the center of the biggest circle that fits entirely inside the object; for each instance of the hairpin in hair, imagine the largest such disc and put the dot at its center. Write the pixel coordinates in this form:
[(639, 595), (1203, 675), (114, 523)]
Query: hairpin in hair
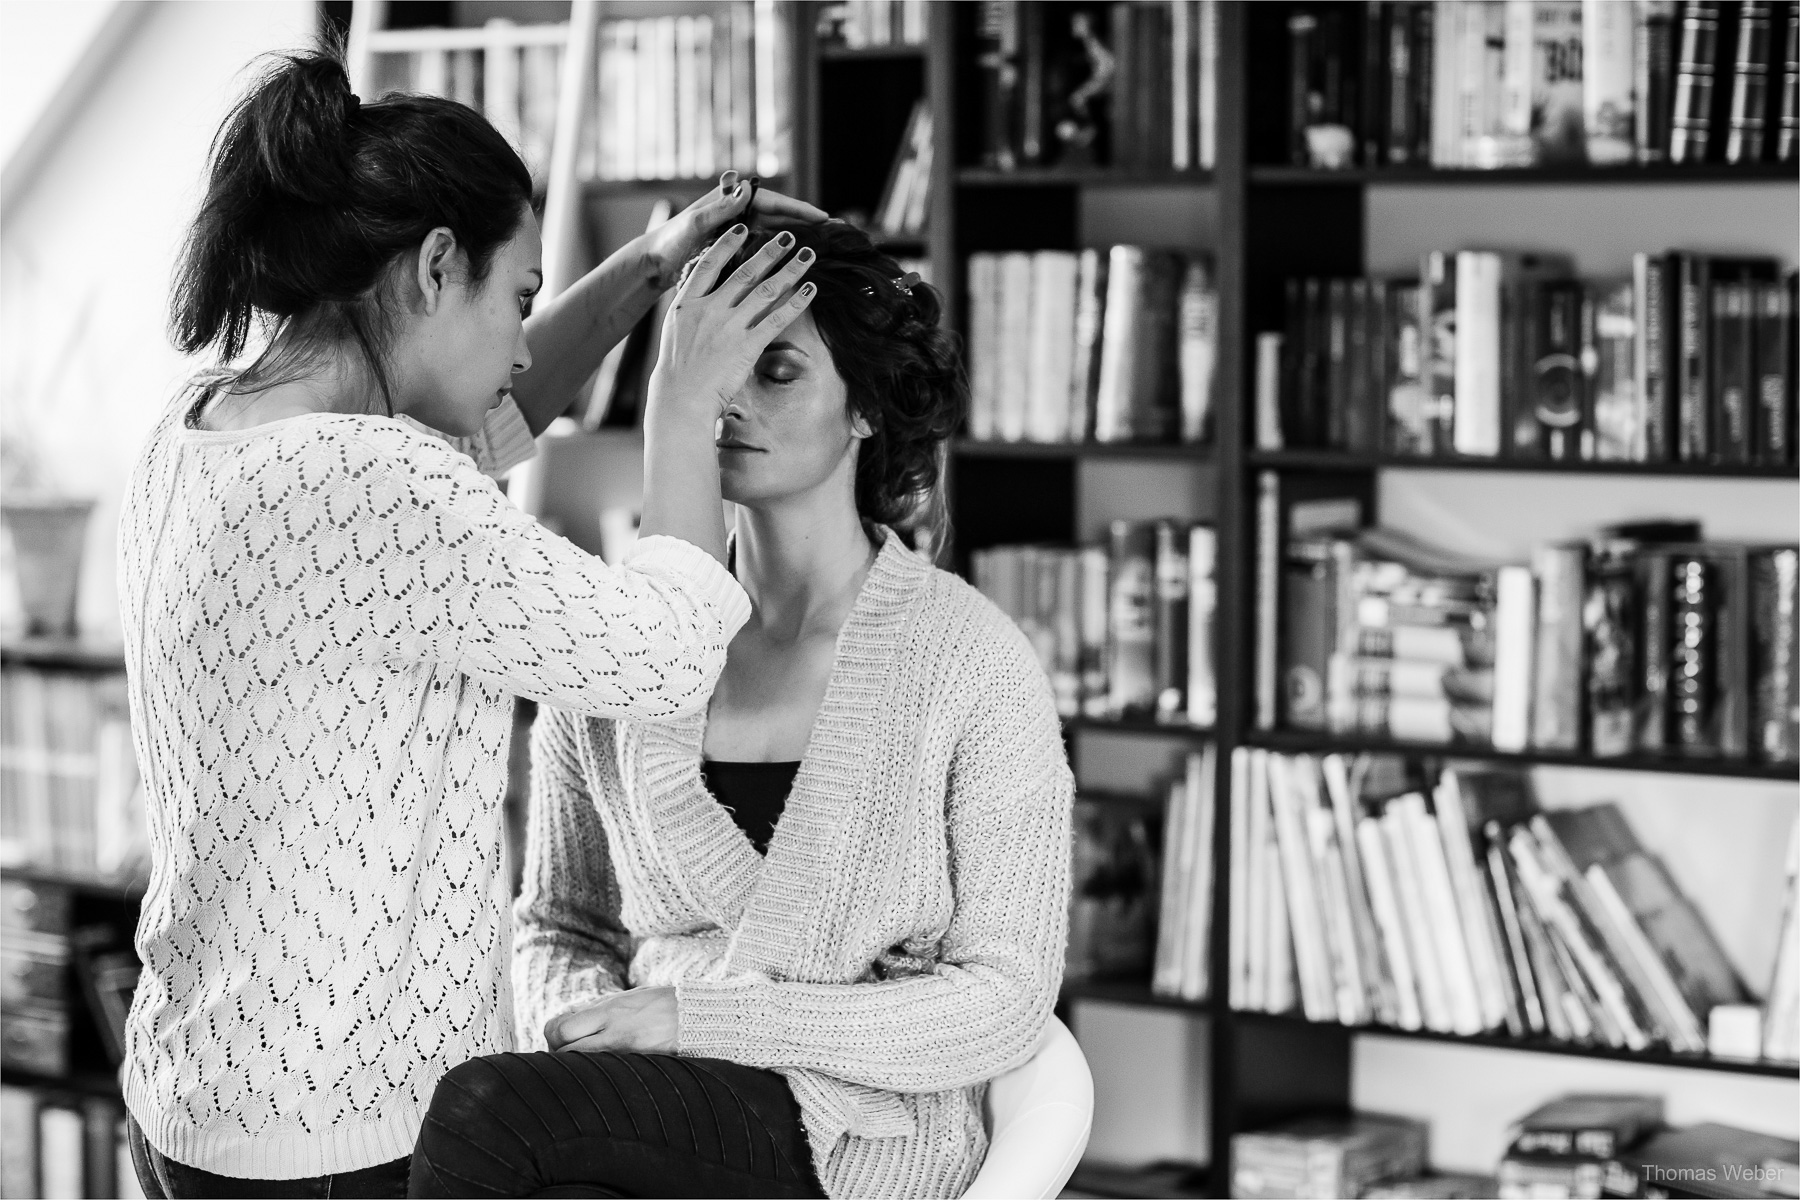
[(906, 283)]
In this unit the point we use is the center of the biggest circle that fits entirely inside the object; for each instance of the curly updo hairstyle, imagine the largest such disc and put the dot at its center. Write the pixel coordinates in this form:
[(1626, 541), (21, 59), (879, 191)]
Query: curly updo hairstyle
[(903, 371), (313, 195)]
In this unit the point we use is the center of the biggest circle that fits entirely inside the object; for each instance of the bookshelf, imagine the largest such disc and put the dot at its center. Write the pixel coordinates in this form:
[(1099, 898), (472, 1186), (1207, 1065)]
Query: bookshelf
[(1262, 221)]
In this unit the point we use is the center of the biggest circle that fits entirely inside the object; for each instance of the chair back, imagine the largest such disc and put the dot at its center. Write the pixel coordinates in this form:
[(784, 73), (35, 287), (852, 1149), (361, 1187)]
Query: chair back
[(1038, 1116)]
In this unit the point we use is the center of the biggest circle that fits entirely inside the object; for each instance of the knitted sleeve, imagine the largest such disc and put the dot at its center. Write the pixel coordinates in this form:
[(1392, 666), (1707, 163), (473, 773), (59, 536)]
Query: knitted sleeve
[(453, 572), (503, 442), (982, 1005), (569, 945)]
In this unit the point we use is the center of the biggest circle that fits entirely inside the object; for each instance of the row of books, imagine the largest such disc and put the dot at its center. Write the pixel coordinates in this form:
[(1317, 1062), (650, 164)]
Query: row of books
[(1184, 914), (70, 797), (860, 24), (1647, 641), (515, 87), (1338, 1154), (1492, 84), (1365, 893), (1116, 345), (60, 1144), (1506, 355), (1583, 1146), (905, 202), (1130, 84), (1124, 630), (686, 97)]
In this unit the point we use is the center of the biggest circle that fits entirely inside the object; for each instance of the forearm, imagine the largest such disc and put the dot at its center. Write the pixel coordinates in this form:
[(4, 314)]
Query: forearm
[(572, 332), (681, 478)]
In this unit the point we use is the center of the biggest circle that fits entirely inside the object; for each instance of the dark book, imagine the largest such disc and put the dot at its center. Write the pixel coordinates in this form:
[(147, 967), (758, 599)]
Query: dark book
[(1550, 426), (1113, 893), (1308, 632), (1732, 372), (1437, 348), (1290, 402), (1311, 368), (1424, 18), (1127, 121), (1772, 408), (997, 65), (1138, 398), (1691, 276), (1400, 83), (1337, 366), (1585, 1125), (1749, 83), (1556, 702), (1155, 85), (1368, 415), (1656, 590), (1656, 343), (1171, 621), (1693, 655), (1610, 622), (1653, 58), (1131, 618), (1787, 123), (1303, 36), (1521, 972), (1373, 81), (1034, 138), (1408, 401), (1358, 425), (1774, 647), (1709, 1160), (1696, 64)]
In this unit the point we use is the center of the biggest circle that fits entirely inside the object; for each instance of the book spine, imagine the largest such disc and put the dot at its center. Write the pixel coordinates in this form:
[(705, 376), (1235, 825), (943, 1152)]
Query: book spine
[(1440, 899), (1165, 970), (984, 345), (1771, 411), (1732, 372), (1268, 579), (1012, 381), (1478, 935), (1049, 363), (1608, 104), (1438, 348), (1373, 107), (1199, 342), (1556, 702), (1202, 769), (1653, 60), (1749, 84), (1434, 1001), (1610, 623), (1651, 293), (1349, 995), (1314, 399), (666, 104), (1090, 317), (1518, 954), (1172, 603), (1477, 369), (1203, 594), (1402, 83), (1094, 623), (1775, 634), (1693, 656), (1384, 903), (1379, 996), (1693, 358), (1696, 63), (1616, 417), (1557, 380), (1269, 374), (1787, 130), (1360, 427), (1337, 371), (1656, 595), (1515, 626), (1305, 915), (1131, 621), (1237, 952), (1181, 95), (1557, 94), (1119, 347), (1303, 32), (997, 58)]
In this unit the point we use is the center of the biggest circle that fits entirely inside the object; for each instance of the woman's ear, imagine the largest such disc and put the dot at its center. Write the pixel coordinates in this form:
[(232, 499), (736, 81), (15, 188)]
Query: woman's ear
[(859, 426), (436, 258)]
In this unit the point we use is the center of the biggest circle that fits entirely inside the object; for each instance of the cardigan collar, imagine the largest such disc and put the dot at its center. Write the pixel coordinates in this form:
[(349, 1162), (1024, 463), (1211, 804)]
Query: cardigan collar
[(767, 903)]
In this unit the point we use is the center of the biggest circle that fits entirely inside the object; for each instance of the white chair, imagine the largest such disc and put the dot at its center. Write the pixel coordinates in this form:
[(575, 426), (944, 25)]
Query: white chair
[(1038, 1116)]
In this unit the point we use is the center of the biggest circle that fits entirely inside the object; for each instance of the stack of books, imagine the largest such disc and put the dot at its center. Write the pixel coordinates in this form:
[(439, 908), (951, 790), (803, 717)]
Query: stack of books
[(515, 86), (1489, 354), (1490, 84), (1124, 630), (1366, 893), (861, 24), (1574, 1147), (686, 97), (1184, 920), (70, 797), (1327, 1156), (1086, 84), (1113, 345), (1647, 640)]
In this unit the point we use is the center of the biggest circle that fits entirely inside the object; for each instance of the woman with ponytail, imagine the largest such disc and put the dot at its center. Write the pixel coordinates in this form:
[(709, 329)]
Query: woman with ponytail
[(329, 607)]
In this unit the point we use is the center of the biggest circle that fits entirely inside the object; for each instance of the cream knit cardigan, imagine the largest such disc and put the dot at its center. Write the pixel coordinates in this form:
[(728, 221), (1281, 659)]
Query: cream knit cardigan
[(903, 941)]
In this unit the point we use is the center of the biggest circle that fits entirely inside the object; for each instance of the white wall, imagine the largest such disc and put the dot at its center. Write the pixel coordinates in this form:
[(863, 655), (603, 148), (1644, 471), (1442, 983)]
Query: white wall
[(87, 250)]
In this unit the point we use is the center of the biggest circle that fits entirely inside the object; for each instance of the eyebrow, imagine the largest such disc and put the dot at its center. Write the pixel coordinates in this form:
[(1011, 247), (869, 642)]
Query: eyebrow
[(786, 346)]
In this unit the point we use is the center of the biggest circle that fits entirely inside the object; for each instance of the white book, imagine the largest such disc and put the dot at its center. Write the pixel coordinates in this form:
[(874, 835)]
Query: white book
[(1477, 421), (1207, 100), (1446, 43), (918, 203), (1198, 323), (1520, 66), (743, 89), (687, 99), (537, 114), (771, 79), (1237, 950), (1268, 391), (1328, 867), (1305, 913), (1515, 636), (1607, 69), (1256, 926), (1479, 936), (1334, 770), (60, 1138), (1441, 910), (1434, 1000), (1203, 602), (1282, 988), (1386, 906), (1165, 969), (706, 161), (1012, 382), (1666, 1001), (1181, 14), (1197, 928), (984, 346), (1049, 364)]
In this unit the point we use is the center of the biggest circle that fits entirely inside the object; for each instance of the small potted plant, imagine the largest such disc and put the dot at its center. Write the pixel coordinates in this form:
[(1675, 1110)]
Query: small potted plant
[(48, 529)]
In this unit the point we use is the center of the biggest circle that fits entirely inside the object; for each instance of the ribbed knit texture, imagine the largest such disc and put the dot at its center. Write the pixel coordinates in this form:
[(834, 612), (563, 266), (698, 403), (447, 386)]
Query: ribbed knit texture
[(903, 941), (326, 619)]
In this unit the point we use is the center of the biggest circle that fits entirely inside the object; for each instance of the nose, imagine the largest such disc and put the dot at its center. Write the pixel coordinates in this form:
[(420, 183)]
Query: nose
[(521, 354)]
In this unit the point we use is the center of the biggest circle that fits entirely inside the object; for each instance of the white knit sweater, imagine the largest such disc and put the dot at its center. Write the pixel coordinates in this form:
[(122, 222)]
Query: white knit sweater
[(903, 941), (326, 619)]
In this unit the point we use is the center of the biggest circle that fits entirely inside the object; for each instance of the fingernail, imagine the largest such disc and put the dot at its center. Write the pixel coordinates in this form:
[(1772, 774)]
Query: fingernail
[(785, 240), (738, 230), (807, 289), (805, 255)]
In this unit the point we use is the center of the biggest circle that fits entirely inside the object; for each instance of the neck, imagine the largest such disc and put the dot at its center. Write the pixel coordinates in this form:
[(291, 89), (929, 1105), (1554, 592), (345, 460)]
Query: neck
[(332, 382), (802, 562)]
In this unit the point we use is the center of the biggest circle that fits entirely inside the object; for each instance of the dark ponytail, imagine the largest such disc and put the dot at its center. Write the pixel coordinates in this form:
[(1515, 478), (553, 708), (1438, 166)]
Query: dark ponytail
[(313, 195)]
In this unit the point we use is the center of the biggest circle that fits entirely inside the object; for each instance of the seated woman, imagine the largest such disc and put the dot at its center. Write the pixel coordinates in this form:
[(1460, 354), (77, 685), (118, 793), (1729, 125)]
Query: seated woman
[(780, 947)]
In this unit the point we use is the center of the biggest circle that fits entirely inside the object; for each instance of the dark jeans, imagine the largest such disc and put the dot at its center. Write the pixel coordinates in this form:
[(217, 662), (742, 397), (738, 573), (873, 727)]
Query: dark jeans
[(574, 1124), (163, 1178)]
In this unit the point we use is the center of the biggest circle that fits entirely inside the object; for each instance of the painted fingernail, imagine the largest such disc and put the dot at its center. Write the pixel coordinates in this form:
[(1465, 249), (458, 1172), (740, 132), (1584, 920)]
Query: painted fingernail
[(784, 240), (805, 255), (807, 289), (738, 231)]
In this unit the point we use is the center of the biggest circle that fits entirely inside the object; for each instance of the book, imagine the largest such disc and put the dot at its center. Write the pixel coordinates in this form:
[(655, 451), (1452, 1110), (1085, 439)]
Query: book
[(1384, 907), (984, 345), (1195, 946), (1710, 1159), (1172, 914), (1090, 318), (1733, 372), (1608, 102), (1326, 1155), (1556, 709), (1653, 65), (1238, 884), (1772, 382), (1012, 382), (1610, 624), (1171, 630), (1138, 396), (1203, 591), (1775, 636), (1591, 1125), (1523, 974), (1198, 346), (1744, 136), (1614, 411), (1696, 64), (1305, 909), (1113, 893), (1787, 128), (1049, 357), (1131, 619), (1481, 933)]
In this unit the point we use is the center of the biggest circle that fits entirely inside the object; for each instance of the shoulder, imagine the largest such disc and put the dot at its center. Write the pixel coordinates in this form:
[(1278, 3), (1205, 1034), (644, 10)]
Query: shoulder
[(958, 625), (384, 455)]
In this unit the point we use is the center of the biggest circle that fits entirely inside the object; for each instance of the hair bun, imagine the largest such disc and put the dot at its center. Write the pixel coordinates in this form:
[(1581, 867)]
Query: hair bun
[(297, 124)]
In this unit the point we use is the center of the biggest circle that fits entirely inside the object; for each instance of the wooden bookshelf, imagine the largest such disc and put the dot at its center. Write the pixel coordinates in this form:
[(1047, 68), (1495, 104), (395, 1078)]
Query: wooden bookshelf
[(970, 448), (1289, 741), (1079, 177), (1585, 176), (62, 653), (1149, 726), (1338, 460)]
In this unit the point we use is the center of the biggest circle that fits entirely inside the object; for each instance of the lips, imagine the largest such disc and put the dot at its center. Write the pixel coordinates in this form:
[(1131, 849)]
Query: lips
[(734, 444)]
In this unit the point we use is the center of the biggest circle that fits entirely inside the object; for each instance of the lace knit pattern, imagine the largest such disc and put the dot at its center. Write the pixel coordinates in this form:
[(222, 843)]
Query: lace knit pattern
[(326, 619), (901, 944)]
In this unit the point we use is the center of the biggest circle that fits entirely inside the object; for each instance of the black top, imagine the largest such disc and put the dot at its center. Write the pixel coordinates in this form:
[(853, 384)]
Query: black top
[(754, 793)]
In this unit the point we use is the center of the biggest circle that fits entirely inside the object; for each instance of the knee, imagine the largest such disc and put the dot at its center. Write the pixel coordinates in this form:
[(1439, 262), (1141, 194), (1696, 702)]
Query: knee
[(471, 1092)]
